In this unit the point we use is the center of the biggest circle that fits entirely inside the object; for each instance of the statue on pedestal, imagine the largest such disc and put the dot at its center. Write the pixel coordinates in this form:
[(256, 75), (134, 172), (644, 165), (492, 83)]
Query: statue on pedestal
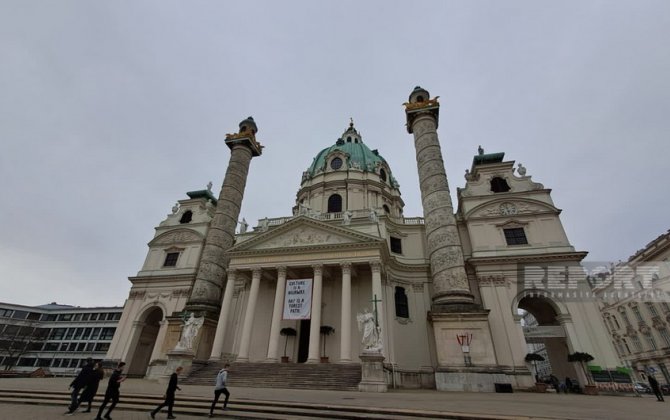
[(366, 324), (189, 332)]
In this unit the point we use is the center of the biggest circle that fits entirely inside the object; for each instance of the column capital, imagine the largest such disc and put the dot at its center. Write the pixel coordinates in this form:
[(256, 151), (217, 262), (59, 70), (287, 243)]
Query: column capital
[(318, 269), (256, 272), (376, 266), (232, 274), (281, 270), (346, 267)]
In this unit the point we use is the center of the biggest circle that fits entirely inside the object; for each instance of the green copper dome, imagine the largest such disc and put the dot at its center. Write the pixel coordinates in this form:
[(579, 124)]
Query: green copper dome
[(359, 157)]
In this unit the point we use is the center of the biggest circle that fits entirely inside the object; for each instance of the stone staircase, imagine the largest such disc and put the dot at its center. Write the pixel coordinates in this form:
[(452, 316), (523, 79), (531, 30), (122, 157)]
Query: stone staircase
[(327, 376)]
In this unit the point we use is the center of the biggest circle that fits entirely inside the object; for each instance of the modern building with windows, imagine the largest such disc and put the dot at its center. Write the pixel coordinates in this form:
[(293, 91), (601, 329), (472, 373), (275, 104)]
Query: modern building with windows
[(636, 310), (432, 279), (55, 337)]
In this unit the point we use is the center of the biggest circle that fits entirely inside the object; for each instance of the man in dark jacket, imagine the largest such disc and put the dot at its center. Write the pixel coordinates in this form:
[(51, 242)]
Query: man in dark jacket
[(78, 383), (169, 395), (657, 389), (112, 393)]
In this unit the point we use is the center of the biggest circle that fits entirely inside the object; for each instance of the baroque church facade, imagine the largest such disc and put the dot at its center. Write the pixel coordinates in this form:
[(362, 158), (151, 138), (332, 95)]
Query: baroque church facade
[(447, 288)]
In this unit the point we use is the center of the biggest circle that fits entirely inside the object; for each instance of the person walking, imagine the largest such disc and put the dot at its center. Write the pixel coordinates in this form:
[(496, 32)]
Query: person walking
[(568, 384), (112, 393), (220, 388), (657, 389), (92, 386), (78, 383), (169, 395)]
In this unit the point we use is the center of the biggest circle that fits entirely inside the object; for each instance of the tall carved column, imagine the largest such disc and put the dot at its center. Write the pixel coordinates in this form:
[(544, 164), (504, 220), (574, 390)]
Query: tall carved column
[(315, 324), (450, 282), (273, 345), (211, 277), (220, 335), (345, 320), (243, 355)]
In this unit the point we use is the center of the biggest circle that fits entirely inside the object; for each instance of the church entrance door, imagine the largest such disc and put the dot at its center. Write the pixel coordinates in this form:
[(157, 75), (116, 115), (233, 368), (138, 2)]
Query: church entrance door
[(303, 340)]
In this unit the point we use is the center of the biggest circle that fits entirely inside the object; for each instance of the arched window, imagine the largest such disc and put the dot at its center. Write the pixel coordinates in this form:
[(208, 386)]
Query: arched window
[(335, 203), (382, 174), (349, 139), (386, 209), (419, 98), (498, 185), (401, 305), (186, 217)]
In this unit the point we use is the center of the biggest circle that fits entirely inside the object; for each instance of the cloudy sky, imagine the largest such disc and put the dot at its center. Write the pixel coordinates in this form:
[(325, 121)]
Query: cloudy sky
[(111, 111)]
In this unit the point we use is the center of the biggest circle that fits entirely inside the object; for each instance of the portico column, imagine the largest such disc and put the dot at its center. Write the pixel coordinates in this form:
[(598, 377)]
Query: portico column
[(376, 268), (315, 325), (243, 355), (217, 347), (277, 314), (345, 320)]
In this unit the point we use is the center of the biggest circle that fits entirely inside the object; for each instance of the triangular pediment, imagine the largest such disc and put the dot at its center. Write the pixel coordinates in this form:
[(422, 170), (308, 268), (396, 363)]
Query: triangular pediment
[(304, 232)]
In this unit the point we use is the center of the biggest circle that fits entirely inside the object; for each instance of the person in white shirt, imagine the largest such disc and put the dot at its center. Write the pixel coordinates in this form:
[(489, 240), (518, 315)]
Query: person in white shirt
[(220, 388)]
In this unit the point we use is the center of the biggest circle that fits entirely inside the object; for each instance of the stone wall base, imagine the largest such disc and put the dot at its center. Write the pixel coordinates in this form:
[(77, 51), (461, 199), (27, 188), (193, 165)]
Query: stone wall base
[(479, 381)]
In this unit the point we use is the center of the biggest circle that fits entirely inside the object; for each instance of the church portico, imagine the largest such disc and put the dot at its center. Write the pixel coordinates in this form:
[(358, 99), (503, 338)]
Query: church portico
[(338, 290)]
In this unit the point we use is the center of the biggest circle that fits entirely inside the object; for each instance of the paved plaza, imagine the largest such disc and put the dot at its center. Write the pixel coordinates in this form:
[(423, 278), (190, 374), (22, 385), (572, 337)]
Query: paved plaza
[(516, 405)]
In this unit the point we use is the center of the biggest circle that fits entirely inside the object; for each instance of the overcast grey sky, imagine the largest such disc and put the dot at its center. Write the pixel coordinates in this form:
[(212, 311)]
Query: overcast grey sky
[(111, 111)]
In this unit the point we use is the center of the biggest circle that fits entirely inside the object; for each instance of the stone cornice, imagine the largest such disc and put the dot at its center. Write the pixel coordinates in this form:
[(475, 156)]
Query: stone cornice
[(552, 257)]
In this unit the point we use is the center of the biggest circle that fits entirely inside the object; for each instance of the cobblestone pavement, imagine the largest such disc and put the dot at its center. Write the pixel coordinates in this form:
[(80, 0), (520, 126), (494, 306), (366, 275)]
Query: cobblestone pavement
[(45, 412), (549, 405)]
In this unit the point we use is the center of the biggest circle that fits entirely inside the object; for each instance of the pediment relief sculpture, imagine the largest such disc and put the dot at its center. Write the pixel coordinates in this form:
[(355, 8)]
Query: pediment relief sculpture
[(510, 208), (177, 237), (302, 236)]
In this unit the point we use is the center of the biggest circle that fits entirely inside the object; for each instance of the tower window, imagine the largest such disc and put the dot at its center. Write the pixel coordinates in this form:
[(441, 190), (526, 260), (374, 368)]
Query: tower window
[(396, 245), (349, 139), (419, 98), (171, 259), (336, 163), (382, 174), (335, 203), (515, 236), (401, 305), (499, 185), (186, 217)]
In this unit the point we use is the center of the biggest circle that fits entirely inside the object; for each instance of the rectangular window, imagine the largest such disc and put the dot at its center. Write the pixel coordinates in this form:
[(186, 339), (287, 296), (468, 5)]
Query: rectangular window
[(65, 317), (63, 346), (26, 362), (56, 362), (624, 315), (651, 342), (396, 245), (85, 317), (171, 259), (43, 362), (638, 315), (77, 334), (95, 334), (69, 333), (51, 347), (102, 347), (20, 315), (107, 333), (77, 317), (401, 304), (57, 334), (81, 346), (94, 317), (652, 309), (663, 332), (117, 316), (87, 333), (50, 317), (637, 343), (90, 346), (515, 236), (34, 316)]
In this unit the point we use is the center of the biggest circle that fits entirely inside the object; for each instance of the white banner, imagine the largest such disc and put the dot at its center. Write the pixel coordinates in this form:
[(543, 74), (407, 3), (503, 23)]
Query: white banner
[(298, 299)]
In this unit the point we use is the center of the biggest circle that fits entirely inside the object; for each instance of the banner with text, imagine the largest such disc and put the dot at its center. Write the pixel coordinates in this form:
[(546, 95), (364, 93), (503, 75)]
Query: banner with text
[(298, 299)]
